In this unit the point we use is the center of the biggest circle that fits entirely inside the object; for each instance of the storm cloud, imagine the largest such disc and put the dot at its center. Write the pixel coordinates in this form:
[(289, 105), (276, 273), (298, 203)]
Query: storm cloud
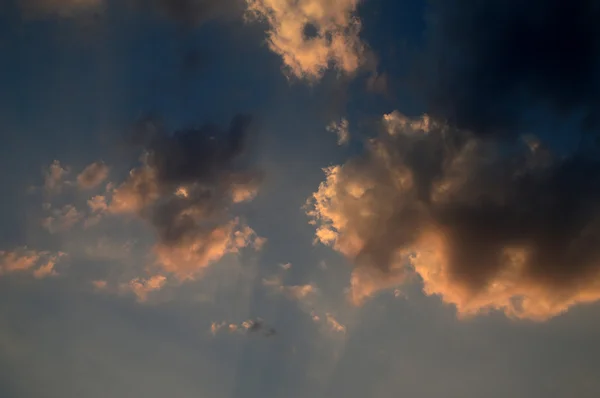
[(485, 226)]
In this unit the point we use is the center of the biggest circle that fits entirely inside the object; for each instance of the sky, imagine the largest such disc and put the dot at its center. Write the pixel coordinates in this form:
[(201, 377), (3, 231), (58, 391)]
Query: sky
[(299, 198)]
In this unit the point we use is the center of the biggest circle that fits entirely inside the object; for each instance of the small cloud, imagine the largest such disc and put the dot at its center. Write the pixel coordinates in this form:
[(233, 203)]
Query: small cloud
[(24, 259), (62, 220), (98, 206), (93, 175), (45, 270), (295, 292), (341, 129), (54, 177), (100, 284), (216, 326), (259, 243), (143, 287), (250, 326), (334, 324), (286, 266)]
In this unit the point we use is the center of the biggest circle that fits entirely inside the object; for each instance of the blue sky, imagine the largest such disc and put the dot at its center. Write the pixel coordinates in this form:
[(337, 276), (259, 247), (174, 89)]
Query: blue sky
[(310, 263)]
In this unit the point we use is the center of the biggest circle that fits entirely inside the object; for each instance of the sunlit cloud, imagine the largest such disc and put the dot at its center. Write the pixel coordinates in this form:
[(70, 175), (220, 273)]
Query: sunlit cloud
[(341, 129), (412, 206), (312, 36), (40, 264), (142, 288), (93, 175)]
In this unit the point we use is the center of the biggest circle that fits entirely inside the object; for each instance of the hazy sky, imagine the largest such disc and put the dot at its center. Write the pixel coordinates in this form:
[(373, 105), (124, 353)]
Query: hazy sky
[(299, 198)]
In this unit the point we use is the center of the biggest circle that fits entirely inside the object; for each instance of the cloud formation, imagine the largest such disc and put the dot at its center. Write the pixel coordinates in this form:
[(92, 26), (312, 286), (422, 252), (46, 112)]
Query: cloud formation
[(485, 226), (140, 287), (249, 326), (184, 189), (341, 129), (39, 263), (312, 36), (62, 219), (93, 175), (490, 65)]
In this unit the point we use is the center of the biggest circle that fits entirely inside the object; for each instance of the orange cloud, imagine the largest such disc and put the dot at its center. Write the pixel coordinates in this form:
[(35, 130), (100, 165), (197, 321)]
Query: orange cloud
[(483, 228), (249, 326), (143, 287), (40, 263), (184, 189), (187, 257), (93, 175), (334, 41)]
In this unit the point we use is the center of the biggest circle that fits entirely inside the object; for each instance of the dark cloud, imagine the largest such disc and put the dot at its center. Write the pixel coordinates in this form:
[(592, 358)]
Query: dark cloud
[(185, 187), (512, 227), (490, 64)]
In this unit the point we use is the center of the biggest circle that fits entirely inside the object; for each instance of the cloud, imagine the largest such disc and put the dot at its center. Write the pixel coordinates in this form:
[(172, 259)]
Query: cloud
[(142, 287), (93, 175), (312, 35), (334, 324), (62, 8), (485, 226), (54, 176), (249, 326), (184, 189), (40, 263), (490, 65), (341, 130), (294, 292), (100, 284), (62, 219)]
